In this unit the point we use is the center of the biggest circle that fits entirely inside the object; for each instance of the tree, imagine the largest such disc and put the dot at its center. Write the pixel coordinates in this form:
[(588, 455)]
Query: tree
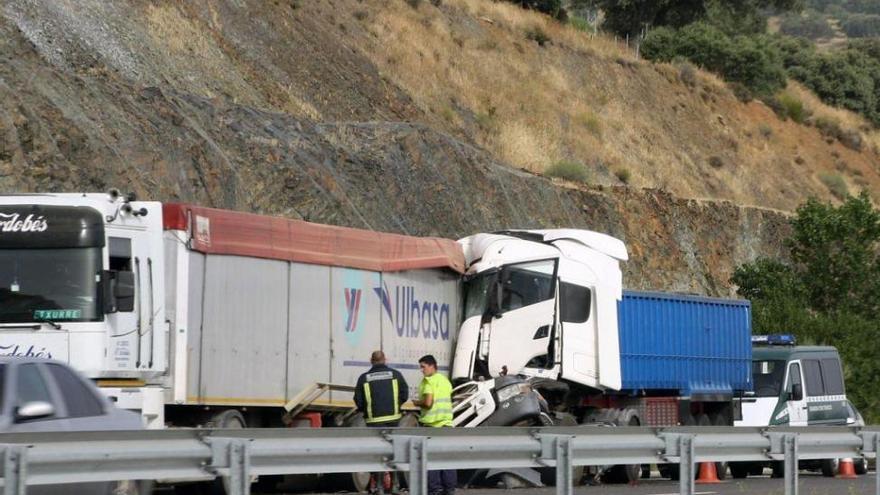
[(827, 294), (630, 17)]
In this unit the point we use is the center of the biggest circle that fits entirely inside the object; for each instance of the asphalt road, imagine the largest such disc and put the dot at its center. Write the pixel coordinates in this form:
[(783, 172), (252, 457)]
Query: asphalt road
[(809, 484)]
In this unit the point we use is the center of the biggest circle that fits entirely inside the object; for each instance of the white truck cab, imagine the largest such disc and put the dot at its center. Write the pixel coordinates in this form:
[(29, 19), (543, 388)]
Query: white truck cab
[(554, 293)]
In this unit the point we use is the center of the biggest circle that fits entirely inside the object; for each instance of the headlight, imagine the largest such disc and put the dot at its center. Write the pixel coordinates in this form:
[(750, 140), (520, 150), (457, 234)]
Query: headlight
[(512, 391)]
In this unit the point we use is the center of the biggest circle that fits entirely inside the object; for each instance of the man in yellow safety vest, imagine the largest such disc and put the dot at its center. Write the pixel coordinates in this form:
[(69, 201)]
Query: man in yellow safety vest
[(435, 401)]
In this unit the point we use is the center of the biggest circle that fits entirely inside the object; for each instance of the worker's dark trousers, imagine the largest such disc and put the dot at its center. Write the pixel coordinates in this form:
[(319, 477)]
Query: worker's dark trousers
[(442, 481), (379, 478)]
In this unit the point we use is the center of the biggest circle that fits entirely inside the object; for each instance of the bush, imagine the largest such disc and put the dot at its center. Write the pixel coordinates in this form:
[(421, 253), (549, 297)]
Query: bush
[(765, 130), (793, 108), (568, 170), (809, 25), (861, 25), (592, 123), (751, 61), (835, 184), (552, 8), (623, 175), (536, 34), (580, 24)]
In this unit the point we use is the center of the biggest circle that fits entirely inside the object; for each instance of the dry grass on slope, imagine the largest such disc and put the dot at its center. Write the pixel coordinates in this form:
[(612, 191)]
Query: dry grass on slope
[(537, 93)]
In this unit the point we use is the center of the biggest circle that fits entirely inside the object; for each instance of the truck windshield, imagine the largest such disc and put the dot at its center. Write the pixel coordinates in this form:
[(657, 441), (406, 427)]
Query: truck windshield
[(49, 284), (476, 294), (768, 376)]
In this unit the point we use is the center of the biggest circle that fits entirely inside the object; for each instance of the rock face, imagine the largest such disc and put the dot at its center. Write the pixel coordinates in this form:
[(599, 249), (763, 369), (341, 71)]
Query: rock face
[(74, 122)]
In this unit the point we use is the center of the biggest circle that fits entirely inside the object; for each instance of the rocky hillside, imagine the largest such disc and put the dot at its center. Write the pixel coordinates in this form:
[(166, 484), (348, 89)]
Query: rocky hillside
[(375, 114)]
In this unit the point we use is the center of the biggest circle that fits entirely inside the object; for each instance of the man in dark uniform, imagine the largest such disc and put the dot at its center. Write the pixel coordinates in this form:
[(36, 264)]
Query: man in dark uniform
[(379, 393)]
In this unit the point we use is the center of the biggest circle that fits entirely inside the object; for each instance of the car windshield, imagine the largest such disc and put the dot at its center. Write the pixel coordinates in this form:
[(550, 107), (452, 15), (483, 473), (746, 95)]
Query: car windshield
[(476, 294), (49, 284), (768, 376)]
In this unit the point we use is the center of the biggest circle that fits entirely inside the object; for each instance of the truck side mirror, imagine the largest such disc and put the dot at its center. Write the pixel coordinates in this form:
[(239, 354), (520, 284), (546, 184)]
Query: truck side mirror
[(118, 291), (123, 291), (797, 392)]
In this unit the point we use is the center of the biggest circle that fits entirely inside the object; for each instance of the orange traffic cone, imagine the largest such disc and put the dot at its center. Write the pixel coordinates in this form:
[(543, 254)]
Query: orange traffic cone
[(708, 474), (847, 469)]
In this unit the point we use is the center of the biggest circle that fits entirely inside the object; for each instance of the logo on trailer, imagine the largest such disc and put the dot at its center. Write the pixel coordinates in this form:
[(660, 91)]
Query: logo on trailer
[(353, 306), (17, 350), (13, 222), (412, 317)]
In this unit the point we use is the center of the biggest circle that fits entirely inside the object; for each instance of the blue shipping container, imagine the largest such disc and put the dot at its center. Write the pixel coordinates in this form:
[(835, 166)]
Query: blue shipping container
[(684, 345)]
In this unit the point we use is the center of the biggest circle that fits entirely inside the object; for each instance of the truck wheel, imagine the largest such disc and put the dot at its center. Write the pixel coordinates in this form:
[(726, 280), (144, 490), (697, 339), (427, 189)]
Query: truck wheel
[(548, 475), (674, 470), (131, 487), (720, 419), (830, 467), (231, 419), (646, 471), (358, 482), (777, 469), (629, 473), (739, 470), (861, 466)]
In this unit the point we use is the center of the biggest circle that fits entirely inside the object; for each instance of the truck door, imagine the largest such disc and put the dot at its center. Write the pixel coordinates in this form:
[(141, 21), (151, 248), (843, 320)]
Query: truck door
[(797, 397), (520, 329)]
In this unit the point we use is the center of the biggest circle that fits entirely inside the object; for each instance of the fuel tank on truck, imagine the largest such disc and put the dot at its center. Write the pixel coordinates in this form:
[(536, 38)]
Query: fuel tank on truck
[(687, 345), (265, 307)]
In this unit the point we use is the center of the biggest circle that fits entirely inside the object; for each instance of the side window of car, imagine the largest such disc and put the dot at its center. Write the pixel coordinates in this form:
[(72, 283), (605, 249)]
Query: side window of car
[(80, 400), (30, 386)]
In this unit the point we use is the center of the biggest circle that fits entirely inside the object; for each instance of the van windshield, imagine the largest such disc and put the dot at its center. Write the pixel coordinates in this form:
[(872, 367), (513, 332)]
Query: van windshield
[(768, 376)]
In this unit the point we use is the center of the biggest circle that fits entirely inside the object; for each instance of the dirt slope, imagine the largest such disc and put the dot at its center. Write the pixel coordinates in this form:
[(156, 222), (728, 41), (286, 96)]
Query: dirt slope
[(307, 109)]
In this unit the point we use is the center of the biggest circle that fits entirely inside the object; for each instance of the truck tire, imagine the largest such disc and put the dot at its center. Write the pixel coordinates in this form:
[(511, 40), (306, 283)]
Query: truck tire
[(830, 467), (629, 473), (230, 419), (721, 419), (357, 482), (861, 466), (548, 475), (674, 470), (739, 470)]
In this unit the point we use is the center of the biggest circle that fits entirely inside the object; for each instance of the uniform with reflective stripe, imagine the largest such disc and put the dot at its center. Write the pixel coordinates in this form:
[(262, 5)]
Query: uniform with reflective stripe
[(379, 394), (440, 412)]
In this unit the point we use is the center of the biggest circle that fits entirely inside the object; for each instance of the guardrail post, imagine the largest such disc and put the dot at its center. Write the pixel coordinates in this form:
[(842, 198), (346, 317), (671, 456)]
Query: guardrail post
[(686, 464), (418, 466), (239, 468), (15, 470), (564, 482), (790, 448)]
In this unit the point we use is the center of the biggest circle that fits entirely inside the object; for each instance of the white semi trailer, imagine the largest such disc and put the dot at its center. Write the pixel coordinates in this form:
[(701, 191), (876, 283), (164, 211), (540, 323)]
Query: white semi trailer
[(198, 316)]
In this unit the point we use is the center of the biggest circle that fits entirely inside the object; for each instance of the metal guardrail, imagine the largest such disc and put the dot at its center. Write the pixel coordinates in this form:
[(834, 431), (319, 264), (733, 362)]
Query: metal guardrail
[(53, 458)]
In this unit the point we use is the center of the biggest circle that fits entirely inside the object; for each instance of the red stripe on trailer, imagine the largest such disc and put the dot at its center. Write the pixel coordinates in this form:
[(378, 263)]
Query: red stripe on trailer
[(215, 231)]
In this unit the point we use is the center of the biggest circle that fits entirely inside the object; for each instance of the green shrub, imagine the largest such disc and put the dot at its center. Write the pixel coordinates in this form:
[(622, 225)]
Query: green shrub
[(580, 24), (808, 25), (623, 175), (552, 8), (835, 184), (765, 130), (592, 123), (793, 108), (752, 61), (568, 170), (861, 25), (536, 34)]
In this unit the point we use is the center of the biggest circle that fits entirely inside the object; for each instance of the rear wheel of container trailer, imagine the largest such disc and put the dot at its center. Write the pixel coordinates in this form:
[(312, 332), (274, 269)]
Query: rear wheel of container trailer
[(230, 419), (673, 471), (629, 473), (720, 419), (358, 482)]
